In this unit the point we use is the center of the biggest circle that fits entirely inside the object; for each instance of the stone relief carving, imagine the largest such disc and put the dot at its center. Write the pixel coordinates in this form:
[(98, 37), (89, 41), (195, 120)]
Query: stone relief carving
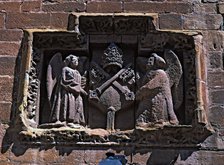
[(110, 84), (154, 95), (65, 91), (121, 92)]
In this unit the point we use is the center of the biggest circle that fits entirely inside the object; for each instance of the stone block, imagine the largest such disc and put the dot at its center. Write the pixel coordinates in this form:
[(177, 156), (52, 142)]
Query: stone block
[(64, 7), (7, 65), (75, 156), (210, 1), (2, 20), (11, 35), (217, 96), (6, 85), (215, 59), (59, 20), (208, 8), (203, 21), (9, 48), (141, 158), (202, 157), (158, 7), (213, 40), (170, 21), (5, 110), (216, 116), (27, 20), (104, 7), (216, 79), (10, 6), (28, 6)]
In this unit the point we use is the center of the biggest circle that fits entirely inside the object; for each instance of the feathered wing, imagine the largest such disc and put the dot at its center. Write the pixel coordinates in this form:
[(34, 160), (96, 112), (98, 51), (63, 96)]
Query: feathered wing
[(54, 72), (174, 72)]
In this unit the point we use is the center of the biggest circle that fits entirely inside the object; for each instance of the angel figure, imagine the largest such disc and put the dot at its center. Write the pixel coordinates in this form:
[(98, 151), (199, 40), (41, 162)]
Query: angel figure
[(65, 90), (154, 96)]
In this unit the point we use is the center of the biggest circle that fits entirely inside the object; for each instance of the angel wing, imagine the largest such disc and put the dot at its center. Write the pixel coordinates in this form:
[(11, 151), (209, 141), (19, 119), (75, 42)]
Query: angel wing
[(54, 72), (174, 72)]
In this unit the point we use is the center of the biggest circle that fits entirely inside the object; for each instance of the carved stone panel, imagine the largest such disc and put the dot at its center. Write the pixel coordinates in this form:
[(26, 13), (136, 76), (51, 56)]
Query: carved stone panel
[(116, 80)]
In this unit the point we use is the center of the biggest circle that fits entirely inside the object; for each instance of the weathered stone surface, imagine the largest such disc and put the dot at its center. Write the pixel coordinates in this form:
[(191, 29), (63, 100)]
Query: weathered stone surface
[(31, 6), (216, 116), (213, 40), (104, 7), (6, 84), (216, 79), (170, 21), (10, 6), (9, 48), (202, 21), (221, 8), (64, 7), (5, 111), (217, 96), (156, 7), (215, 59), (28, 20), (59, 20), (7, 65), (2, 20), (200, 156), (210, 1), (11, 35), (207, 8)]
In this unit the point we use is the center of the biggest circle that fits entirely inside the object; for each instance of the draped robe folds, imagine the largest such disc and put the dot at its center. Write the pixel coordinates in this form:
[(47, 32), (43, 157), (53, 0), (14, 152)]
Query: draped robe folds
[(155, 97), (68, 103)]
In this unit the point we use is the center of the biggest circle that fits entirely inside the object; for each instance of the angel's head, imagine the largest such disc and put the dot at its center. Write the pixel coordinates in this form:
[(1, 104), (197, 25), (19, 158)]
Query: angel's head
[(72, 61), (155, 61)]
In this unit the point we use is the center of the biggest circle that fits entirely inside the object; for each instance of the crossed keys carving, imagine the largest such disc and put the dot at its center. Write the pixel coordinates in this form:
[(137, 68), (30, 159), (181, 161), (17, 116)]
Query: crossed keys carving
[(124, 73)]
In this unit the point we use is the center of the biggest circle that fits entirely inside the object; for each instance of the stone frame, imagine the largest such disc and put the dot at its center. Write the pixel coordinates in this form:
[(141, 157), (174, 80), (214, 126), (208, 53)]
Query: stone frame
[(169, 136)]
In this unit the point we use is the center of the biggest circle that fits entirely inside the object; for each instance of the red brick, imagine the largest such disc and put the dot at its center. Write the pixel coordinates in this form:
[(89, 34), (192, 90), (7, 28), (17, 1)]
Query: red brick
[(7, 65), (170, 21), (216, 79), (6, 84), (5, 110), (59, 20), (9, 48), (11, 35), (157, 7), (203, 21), (27, 20), (2, 20), (104, 7), (28, 6), (10, 6), (65, 7)]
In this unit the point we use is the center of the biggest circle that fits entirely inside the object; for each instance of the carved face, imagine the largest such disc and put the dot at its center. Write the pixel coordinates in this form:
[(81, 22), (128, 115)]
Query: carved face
[(72, 61)]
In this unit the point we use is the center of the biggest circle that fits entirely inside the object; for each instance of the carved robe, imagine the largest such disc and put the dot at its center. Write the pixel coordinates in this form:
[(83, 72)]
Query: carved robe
[(69, 106), (155, 97)]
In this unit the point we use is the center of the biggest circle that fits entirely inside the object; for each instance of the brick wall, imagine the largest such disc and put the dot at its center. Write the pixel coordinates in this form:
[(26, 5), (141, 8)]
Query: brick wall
[(203, 15)]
